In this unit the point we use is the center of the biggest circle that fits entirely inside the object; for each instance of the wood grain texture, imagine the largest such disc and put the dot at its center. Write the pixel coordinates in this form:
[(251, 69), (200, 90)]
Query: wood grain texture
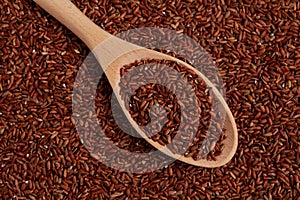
[(113, 53)]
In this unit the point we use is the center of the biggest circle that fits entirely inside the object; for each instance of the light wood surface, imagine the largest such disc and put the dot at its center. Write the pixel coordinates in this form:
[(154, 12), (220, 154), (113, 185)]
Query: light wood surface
[(113, 53)]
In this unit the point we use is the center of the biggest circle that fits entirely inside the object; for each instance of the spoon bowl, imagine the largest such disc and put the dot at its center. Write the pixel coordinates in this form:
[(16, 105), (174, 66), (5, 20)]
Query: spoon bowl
[(113, 53)]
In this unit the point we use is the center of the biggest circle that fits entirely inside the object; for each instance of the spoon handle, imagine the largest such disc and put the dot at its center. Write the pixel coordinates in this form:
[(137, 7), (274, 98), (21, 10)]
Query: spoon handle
[(69, 15)]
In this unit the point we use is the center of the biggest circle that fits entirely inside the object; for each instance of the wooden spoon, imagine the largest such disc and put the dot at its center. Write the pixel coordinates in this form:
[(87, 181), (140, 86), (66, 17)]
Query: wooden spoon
[(113, 53)]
